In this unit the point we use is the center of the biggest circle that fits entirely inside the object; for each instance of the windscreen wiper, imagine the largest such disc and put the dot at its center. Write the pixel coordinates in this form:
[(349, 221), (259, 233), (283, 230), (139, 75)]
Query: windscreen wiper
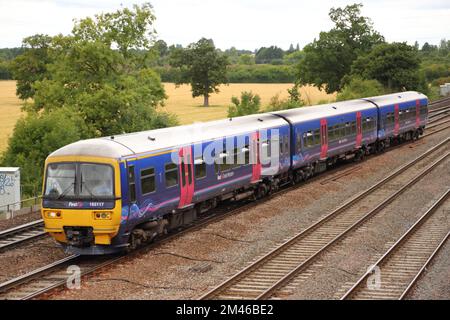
[(72, 185)]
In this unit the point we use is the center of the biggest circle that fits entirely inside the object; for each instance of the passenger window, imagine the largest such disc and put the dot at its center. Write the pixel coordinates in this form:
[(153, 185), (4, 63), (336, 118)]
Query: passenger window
[(132, 183), (298, 142), (200, 168), (171, 174), (309, 139), (286, 145), (246, 152), (317, 137), (148, 181)]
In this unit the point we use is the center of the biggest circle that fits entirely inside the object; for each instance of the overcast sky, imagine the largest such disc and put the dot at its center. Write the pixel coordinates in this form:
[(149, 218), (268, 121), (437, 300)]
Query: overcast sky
[(244, 24)]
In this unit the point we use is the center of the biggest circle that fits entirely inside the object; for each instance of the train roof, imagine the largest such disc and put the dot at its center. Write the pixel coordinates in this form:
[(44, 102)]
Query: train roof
[(394, 98), (123, 145), (325, 110)]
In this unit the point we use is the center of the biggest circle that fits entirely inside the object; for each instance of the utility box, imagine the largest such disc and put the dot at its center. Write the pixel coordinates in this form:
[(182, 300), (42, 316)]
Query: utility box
[(9, 189)]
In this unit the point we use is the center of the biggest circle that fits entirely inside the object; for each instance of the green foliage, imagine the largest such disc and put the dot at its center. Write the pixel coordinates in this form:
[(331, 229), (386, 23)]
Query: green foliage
[(440, 81), (261, 73), (8, 54), (31, 66), (5, 70), (359, 88), (327, 60), (272, 54), (96, 82), (249, 104), (294, 100), (99, 73), (293, 58), (37, 135), (202, 66), (394, 65), (246, 59)]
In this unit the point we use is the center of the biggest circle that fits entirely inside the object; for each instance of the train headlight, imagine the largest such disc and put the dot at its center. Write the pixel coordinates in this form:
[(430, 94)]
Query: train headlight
[(103, 215), (53, 214)]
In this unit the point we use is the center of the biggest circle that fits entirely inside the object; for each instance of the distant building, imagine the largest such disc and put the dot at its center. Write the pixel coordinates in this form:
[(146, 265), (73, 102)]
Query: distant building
[(445, 90), (9, 189)]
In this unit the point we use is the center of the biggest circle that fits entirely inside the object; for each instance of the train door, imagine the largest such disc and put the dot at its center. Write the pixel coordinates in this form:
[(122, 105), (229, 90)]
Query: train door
[(396, 119), (358, 129), (323, 138), (255, 156), (186, 173), (417, 113)]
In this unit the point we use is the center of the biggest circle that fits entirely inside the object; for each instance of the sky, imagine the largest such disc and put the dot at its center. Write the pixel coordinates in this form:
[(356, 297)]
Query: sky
[(244, 24)]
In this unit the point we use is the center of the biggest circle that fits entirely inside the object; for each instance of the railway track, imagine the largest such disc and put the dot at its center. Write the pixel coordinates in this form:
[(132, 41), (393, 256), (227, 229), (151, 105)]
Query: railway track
[(266, 277), (439, 103), (403, 264), (20, 234), (11, 237), (45, 279)]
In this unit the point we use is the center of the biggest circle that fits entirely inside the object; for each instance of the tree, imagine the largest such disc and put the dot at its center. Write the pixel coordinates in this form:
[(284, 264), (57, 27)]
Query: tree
[(359, 88), (97, 83), (249, 104), (269, 55), (36, 136), (5, 70), (394, 65), (101, 72), (246, 59), (327, 60), (202, 66), (31, 66)]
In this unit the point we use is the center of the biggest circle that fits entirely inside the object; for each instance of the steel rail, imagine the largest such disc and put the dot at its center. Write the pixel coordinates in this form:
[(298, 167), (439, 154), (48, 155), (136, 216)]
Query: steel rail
[(395, 248), (266, 258), (21, 233)]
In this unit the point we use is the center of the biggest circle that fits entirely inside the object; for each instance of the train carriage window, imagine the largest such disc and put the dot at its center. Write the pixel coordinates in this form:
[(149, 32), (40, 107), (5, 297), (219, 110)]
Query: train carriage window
[(171, 174), (348, 129), (286, 145), (298, 142), (309, 139), (342, 130), (246, 151), (131, 184), (331, 133), (200, 168), (317, 137), (281, 145), (354, 127), (235, 158), (148, 181)]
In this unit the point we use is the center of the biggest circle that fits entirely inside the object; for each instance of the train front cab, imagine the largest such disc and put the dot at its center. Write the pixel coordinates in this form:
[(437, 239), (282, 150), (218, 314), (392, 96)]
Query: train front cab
[(81, 205)]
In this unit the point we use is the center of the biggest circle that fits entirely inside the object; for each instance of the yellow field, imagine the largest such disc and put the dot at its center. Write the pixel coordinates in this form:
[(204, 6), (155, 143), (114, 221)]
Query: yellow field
[(9, 111), (179, 102), (188, 110)]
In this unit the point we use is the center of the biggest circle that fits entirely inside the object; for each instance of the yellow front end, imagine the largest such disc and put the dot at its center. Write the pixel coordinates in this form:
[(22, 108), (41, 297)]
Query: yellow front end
[(105, 222)]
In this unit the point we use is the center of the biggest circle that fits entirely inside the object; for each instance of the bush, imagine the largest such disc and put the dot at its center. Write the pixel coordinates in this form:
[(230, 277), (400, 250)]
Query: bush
[(440, 81), (294, 100), (358, 88), (249, 104)]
